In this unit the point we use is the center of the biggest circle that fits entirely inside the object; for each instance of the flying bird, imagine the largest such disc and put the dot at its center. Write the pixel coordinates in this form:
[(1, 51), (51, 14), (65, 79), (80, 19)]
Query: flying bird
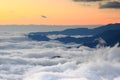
[(42, 16)]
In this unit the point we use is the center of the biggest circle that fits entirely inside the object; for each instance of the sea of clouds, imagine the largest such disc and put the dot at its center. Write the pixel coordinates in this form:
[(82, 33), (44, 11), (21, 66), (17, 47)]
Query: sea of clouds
[(24, 59)]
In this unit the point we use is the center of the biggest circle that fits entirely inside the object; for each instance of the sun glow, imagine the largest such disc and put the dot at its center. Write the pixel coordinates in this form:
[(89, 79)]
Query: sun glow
[(58, 12)]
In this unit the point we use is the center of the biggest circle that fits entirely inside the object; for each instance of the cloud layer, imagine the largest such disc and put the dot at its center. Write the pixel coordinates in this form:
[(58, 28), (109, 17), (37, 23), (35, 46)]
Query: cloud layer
[(114, 4), (86, 0), (107, 3), (23, 59)]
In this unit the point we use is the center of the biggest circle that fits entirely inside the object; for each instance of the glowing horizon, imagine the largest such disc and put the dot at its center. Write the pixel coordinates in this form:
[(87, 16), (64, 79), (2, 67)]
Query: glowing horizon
[(52, 12)]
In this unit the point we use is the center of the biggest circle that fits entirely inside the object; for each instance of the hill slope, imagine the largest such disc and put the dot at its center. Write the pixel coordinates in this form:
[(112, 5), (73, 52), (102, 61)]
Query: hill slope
[(109, 34)]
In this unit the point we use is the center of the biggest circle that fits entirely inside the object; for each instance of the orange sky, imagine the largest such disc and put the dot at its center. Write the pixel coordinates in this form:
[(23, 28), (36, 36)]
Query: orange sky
[(58, 12)]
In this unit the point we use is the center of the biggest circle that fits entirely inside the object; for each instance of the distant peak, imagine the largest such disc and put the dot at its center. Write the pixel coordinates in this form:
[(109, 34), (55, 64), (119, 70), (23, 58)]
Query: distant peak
[(114, 24)]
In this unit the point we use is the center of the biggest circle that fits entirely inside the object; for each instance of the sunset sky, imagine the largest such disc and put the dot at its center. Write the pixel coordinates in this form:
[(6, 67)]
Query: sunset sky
[(59, 12)]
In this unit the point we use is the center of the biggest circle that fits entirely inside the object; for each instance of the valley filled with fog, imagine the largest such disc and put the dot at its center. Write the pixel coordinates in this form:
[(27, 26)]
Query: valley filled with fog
[(22, 58)]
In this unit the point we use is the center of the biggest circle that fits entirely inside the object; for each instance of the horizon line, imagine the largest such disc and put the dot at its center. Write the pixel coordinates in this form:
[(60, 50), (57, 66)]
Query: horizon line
[(55, 24)]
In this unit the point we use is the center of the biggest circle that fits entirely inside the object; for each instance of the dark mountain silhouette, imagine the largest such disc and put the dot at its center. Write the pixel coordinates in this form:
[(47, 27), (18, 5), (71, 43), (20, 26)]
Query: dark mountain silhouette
[(110, 38), (83, 31), (38, 37), (101, 29), (107, 35)]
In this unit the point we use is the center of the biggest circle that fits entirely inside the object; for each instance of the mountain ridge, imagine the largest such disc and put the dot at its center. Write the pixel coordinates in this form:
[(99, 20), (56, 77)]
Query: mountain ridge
[(110, 33)]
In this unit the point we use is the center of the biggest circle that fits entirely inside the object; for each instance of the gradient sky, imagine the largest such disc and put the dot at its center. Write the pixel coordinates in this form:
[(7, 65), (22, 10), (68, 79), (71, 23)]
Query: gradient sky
[(57, 12)]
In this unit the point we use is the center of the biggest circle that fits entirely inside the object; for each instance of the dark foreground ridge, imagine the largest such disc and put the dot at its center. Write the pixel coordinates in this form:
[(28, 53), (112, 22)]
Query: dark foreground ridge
[(107, 35)]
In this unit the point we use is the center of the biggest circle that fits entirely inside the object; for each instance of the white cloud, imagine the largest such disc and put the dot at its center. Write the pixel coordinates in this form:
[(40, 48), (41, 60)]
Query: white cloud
[(22, 59), (56, 36)]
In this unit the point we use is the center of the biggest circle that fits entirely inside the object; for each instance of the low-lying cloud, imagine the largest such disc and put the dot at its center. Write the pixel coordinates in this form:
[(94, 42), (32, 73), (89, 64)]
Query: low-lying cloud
[(49, 60)]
